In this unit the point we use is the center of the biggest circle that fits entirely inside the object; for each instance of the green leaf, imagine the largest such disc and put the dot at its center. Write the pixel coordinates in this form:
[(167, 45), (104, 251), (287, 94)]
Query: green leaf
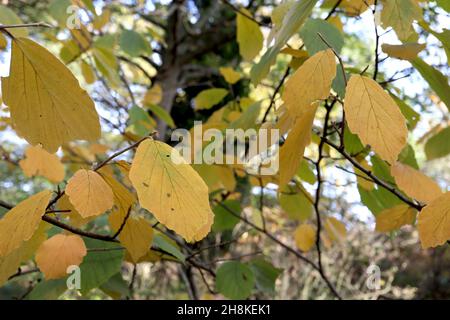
[(411, 116), (248, 119), (292, 22), (381, 169), (116, 287), (352, 143), (7, 16), (408, 156), (438, 145), (58, 11), (99, 265), (161, 113), (297, 206), (306, 173), (164, 243), (437, 81), (223, 219), (444, 4), (265, 274), (48, 290), (140, 121), (235, 280), (209, 98), (309, 34), (134, 44), (378, 199)]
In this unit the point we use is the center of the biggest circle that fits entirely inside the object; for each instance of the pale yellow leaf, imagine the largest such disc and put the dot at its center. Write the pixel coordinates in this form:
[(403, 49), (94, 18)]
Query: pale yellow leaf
[(39, 162), (311, 82), (46, 102), (393, 218), (153, 95), (406, 51), (291, 152), (230, 75), (170, 189), (434, 222), (305, 237), (89, 193), (374, 116), (414, 183), (58, 253), (335, 229), (249, 35), (20, 223)]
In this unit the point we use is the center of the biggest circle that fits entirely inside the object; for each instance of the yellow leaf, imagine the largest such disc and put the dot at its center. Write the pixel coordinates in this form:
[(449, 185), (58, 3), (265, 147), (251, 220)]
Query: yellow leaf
[(170, 189), (434, 222), (136, 236), (76, 219), (20, 223), (10, 263), (393, 218), (216, 176), (249, 35), (406, 51), (305, 237), (59, 252), (291, 152), (153, 96), (400, 14), (89, 193), (373, 115), (230, 75), (335, 229), (39, 162), (46, 102), (311, 82), (3, 41), (87, 72), (355, 7), (414, 183), (123, 198)]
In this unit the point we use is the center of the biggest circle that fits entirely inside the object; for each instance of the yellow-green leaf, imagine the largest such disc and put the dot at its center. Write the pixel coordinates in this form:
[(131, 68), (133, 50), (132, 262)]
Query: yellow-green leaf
[(249, 36), (230, 75), (400, 14), (209, 98)]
